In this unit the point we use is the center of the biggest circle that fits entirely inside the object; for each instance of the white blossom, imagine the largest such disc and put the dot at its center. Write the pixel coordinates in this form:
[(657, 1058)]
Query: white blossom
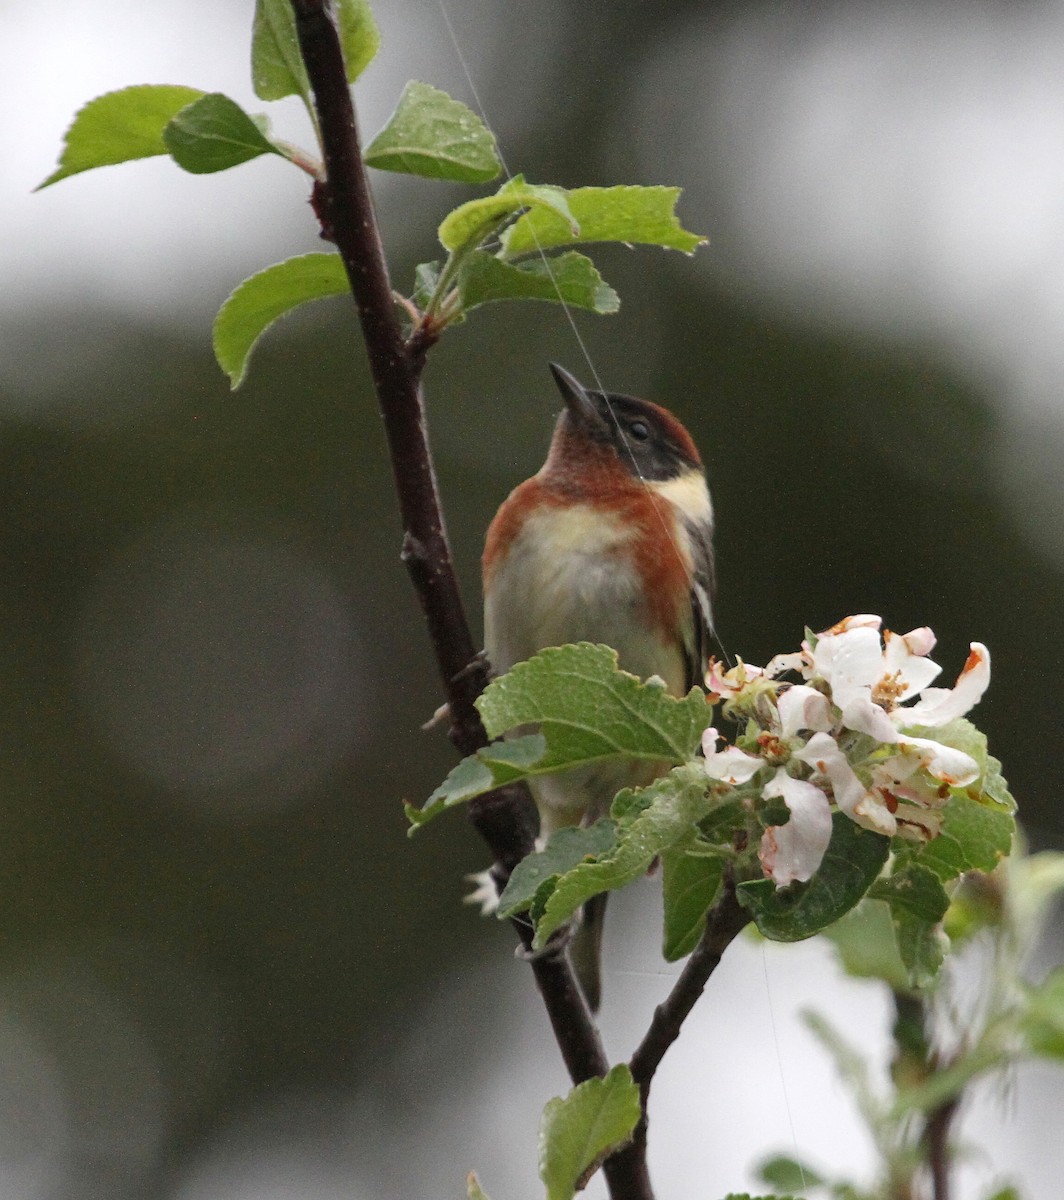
[(792, 852), (730, 765), (855, 682)]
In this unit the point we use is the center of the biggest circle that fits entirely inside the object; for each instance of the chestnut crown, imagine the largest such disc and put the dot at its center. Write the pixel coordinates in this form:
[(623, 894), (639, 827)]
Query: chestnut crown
[(647, 439)]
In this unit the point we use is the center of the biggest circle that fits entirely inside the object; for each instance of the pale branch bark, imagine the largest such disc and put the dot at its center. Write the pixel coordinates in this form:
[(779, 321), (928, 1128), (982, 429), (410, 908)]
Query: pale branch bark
[(344, 206)]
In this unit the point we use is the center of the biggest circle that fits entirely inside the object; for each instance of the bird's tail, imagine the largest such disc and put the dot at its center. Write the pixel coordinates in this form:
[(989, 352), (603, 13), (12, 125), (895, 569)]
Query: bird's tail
[(585, 950)]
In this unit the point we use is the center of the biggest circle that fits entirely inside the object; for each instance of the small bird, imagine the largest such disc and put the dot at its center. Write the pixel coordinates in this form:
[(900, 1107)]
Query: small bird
[(610, 542)]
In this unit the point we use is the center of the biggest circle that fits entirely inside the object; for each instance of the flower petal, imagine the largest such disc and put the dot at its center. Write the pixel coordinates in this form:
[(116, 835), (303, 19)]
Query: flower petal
[(730, 765), (824, 756), (851, 663), (794, 851), (912, 666), (862, 620), (939, 706), (781, 663), (803, 707), (729, 683), (865, 717), (952, 766)]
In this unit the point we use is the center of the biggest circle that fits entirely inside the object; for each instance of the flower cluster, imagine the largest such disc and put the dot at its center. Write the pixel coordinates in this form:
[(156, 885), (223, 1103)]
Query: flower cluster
[(840, 738)]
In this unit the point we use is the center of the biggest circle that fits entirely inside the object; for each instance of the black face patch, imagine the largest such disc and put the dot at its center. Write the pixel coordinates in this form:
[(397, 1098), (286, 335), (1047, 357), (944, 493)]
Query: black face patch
[(643, 436)]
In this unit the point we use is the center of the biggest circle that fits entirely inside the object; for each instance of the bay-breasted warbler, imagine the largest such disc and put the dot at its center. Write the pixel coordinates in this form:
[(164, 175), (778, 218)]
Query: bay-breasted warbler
[(610, 542)]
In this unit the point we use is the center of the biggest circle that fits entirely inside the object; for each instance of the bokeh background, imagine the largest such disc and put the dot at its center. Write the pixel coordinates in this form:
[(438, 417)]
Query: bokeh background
[(225, 973)]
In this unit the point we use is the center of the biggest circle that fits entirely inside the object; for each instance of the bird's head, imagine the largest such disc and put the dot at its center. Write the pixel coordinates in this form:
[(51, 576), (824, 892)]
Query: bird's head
[(607, 432)]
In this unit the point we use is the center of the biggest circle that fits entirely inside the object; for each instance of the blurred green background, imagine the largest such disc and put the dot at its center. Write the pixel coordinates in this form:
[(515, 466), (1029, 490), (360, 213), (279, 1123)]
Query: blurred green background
[(217, 940)]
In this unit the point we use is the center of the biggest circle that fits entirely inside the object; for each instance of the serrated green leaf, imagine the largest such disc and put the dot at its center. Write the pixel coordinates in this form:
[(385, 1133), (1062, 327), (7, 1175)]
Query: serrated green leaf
[(119, 127), (589, 714), (590, 711), (689, 885), (277, 68), (853, 859), (490, 768), (214, 133), (566, 848), (974, 837), (679, 801), (579, 1130), (867, 945), (633, 215), (433, 135), (568, 278), (470, 223), (1043, 1022), (264, 297), (788, 1174), (995, 788)]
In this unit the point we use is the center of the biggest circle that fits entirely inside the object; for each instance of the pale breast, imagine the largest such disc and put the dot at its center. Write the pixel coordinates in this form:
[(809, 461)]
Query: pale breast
[(566, 579)]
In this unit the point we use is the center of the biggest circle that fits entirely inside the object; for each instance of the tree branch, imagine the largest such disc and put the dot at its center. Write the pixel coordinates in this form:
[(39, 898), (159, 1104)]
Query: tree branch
[(936, 1138), (725, 920), (344, 206)]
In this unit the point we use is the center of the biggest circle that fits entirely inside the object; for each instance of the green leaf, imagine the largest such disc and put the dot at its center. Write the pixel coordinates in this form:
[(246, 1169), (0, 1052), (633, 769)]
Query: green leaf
[(867, 944), (918, 902), (120, 126), (260, 300), (591, 711), (747, 1196), (853, 859), (426, 276), (277, 68), (473, 1189), (214, 133), (995, 788), (974, 837), (579, 1130), (433, 135), (634, 215), (589, 714), (490, 768), (689, 884), (678, 802), (566, 848), (922, 946), (359, 36), (1043, 1022), (788, 1174), (913, 889), (568, 278), (470, 223)]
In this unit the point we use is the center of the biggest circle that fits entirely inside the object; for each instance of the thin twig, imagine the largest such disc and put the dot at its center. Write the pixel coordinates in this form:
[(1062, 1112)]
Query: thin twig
[(936, 1137), (724, 922), (344, 205), (351, 223)]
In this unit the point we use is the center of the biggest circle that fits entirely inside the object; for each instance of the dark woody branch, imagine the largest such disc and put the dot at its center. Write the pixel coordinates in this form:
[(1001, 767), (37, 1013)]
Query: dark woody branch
[(724, 922), (344, 205)]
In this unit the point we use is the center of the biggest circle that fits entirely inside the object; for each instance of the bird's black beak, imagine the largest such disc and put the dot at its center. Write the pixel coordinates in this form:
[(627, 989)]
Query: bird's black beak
[(577, 399)]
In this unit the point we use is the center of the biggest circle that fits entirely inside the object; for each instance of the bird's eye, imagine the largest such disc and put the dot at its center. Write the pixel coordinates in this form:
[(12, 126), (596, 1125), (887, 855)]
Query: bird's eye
[(639, 431)]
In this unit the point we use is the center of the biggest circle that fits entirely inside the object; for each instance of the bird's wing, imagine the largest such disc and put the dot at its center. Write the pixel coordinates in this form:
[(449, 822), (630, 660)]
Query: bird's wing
[(703, 587)]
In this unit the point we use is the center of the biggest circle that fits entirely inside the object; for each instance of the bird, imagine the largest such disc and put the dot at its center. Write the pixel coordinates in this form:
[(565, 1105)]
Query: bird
[(609, 542)]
